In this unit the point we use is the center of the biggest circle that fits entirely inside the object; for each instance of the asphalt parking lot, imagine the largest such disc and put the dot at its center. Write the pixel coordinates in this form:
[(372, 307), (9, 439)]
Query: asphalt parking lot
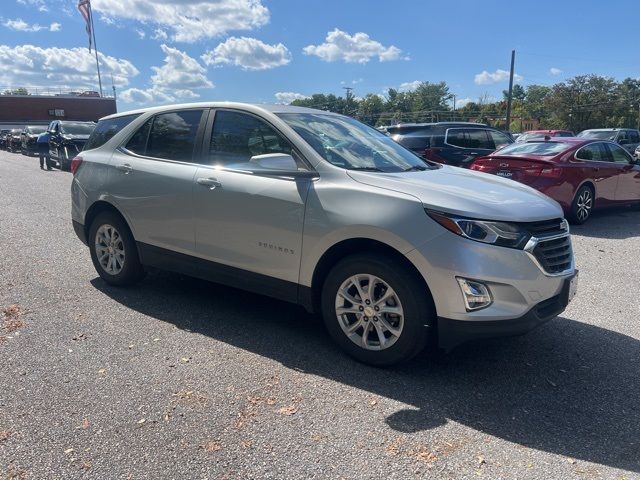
[(180, 378)]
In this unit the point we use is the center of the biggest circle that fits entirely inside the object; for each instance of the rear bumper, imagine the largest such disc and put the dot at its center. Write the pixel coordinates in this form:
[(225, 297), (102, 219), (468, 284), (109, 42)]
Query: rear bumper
[(452, 333)]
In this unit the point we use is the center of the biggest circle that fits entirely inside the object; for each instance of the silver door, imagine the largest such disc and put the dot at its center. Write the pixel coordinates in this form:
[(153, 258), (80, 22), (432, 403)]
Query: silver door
[(247, 220), (156, 194)]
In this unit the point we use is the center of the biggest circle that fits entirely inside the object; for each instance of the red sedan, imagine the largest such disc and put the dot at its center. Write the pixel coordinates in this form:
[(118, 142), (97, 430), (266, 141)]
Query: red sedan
[(578, 173)]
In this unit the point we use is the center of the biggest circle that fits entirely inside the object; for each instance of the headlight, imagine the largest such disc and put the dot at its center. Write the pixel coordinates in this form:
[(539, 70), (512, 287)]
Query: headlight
[(495, 233)]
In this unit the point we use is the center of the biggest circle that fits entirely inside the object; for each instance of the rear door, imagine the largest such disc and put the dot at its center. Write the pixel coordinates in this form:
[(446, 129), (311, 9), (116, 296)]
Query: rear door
[(151, 179), (598, 165), (628, 188), (464, 145)]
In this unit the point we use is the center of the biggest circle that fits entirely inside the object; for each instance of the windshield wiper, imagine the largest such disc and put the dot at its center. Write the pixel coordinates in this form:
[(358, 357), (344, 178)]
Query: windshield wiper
[(415, 168), (367, 169)]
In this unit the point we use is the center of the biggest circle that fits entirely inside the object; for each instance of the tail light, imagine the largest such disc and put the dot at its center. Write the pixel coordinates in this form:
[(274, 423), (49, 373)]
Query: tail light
[(551, 172), (75, 164)]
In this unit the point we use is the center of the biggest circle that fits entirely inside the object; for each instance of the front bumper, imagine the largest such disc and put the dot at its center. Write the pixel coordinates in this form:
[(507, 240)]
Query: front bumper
[(452, 333)]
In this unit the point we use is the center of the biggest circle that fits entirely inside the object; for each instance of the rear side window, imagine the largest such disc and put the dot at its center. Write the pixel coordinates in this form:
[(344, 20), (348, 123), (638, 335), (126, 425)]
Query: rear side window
[(499, 139), (107, 129), (414, 139), (634, 136), (618, 154), (595, 152), (170, 136), (469, 138)]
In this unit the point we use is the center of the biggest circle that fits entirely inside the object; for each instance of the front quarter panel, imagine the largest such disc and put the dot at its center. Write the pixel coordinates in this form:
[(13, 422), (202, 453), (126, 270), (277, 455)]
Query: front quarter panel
[(339, 208)]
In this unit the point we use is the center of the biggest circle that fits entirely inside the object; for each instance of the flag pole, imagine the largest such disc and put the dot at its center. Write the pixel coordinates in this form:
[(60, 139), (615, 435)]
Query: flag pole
[(95, 47)]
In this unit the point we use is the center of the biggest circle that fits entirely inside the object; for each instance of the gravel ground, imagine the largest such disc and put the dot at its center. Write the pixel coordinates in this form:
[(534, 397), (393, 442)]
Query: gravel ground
[(180, 378)]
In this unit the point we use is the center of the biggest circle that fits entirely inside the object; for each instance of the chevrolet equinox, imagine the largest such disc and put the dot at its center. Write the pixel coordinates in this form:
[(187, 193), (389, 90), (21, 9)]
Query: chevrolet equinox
[(396, 253)]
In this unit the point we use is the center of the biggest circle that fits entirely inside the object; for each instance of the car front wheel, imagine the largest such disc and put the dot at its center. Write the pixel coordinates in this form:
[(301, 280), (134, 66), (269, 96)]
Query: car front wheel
[(113, 250), (377, 309)]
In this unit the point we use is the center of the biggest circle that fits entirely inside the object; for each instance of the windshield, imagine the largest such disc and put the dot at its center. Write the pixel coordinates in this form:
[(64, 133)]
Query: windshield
[(599, 134), (36, 130), (77, 128), (534, 148), (347, 143)]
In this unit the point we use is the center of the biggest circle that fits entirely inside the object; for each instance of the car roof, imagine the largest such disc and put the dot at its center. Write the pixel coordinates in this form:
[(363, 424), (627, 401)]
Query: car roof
[(546, 131), (438, 124), (272, 108)]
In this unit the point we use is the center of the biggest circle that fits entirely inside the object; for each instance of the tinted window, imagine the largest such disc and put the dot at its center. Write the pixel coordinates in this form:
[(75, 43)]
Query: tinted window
[(599, 134), (237, 137), (594, 152), (469, 138), (634, 136), (173, 135), (35, 130), (499, 139), (106, 129), (619, 154), (564, 134), (138, 143), (77, 128)]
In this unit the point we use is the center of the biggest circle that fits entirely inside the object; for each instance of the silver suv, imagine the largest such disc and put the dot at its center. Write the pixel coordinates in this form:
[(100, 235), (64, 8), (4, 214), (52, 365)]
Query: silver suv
[(396, 253)]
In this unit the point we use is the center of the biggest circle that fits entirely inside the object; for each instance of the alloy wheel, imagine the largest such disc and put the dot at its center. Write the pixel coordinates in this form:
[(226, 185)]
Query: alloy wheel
[(110, 249), (369, 312), (584, 205)]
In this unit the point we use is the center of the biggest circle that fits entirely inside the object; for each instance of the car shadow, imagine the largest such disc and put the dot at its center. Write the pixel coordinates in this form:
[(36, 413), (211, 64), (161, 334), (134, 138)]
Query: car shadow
[(613, 223), (567, 388)]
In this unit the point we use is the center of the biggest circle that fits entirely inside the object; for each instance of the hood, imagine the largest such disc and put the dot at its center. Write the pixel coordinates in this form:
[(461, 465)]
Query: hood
[(467, 193)]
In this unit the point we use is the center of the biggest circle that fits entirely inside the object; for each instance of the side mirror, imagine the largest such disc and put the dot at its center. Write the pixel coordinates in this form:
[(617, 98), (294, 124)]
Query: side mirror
[(275, 161)]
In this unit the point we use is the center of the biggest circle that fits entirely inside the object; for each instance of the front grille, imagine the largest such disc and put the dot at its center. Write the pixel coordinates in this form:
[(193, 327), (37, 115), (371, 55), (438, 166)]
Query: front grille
[(546, 227), (554, 255)]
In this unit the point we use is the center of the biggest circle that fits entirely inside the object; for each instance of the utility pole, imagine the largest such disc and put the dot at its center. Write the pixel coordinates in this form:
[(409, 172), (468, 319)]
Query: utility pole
[(349, 96), (509, 99)]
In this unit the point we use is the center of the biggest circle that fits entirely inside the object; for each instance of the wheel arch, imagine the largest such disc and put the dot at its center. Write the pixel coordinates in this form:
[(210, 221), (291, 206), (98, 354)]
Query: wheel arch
[(96, 209), (352, 246), (588, 183)]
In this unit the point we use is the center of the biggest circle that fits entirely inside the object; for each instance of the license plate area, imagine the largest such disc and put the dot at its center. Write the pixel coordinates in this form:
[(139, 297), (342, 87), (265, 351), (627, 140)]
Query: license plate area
[(505, 174)]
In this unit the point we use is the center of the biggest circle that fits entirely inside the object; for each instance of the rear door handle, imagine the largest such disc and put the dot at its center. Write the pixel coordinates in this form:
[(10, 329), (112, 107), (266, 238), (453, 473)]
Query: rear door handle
[(125, 167), (212, 183)]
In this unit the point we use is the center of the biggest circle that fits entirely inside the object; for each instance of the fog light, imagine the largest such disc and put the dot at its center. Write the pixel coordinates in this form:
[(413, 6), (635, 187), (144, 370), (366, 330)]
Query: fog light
[(476, 295)]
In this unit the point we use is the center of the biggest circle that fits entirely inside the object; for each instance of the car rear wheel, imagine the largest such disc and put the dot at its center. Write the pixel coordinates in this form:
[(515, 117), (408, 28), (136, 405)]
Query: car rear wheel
[(582, 205), (113, 250), (63, 160), (377, 309)]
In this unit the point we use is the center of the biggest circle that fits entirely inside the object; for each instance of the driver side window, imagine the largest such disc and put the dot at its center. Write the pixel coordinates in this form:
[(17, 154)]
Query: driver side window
[(236, 137)]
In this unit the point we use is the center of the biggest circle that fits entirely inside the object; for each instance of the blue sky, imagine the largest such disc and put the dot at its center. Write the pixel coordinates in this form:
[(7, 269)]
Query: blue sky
[(251, 50)]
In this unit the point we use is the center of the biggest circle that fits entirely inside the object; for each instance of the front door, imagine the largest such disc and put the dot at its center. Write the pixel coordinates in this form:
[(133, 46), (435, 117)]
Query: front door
[(243, 219), (599, 167), (628, 188), (151, 179)]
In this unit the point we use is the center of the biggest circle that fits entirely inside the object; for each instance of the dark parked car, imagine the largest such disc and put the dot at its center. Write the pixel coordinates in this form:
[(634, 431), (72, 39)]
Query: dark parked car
[(453, 143), (3, 138), (581, 174), (541, 134), (67, 140), (29, 137), (13, 140), (628, 138)]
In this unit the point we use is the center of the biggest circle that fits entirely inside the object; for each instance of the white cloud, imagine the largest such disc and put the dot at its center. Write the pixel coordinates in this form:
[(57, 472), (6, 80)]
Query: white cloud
[(21, 26), (189, 20), (288, 97), (357, 48), (175, 80), (461, 102), (409, 86), (248, 53), (39, 4), (554, 71), (159, 34), (487, 78), (33, 66), (141, 34)]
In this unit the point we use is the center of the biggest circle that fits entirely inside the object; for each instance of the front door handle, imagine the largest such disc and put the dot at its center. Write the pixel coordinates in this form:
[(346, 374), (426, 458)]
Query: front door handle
[(212, 183), (125, 167)]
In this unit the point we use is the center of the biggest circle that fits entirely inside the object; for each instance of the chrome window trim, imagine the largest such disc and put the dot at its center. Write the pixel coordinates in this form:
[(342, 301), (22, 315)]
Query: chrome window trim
[(575, 155)]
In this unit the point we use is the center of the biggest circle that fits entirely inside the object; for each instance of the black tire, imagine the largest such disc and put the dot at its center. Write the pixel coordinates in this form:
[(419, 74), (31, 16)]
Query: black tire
[(416, 301), (63, 161), (132, 270), (582, 205)]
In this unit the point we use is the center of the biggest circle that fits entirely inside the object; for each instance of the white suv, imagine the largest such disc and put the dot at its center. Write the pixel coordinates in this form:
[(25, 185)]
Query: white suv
[(396, 253)]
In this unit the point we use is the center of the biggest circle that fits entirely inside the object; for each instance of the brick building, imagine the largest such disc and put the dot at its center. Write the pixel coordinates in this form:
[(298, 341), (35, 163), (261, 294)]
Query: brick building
[(19, 110)]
